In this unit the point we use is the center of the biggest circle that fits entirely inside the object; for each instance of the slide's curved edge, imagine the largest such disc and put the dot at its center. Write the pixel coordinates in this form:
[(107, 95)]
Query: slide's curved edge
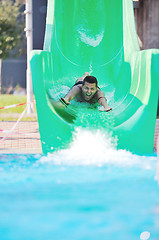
[(54, 132)]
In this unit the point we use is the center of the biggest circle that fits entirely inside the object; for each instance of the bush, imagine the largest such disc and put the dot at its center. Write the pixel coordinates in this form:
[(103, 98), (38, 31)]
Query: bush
[(11, 27)]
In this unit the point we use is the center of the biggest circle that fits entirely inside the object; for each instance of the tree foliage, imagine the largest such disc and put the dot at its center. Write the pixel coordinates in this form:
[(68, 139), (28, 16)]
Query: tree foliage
[(11, 27)]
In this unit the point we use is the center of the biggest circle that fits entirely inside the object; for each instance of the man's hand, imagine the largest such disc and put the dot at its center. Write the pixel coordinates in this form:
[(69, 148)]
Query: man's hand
[(64, 101), (105, 109)]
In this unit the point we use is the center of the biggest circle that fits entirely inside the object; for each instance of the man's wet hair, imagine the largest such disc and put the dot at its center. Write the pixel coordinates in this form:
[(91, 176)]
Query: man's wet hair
[(90, 79)]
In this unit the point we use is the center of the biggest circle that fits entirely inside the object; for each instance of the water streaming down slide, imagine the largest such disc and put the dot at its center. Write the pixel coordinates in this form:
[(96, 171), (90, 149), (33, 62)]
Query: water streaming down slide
[(98, 37)]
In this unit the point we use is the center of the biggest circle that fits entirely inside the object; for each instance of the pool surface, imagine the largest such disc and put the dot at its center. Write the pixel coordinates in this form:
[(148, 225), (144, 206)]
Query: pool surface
[(84, 192)]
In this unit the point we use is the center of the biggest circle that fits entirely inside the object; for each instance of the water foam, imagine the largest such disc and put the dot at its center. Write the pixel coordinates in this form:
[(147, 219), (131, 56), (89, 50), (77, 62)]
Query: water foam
[(89, 39), (95, 148)]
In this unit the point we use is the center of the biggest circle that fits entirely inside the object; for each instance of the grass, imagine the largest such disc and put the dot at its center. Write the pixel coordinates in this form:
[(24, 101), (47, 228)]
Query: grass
[(12, 114)]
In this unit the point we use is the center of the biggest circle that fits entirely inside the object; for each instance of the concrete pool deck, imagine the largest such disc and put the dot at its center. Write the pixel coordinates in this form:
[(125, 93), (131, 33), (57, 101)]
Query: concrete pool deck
[(25, 139)]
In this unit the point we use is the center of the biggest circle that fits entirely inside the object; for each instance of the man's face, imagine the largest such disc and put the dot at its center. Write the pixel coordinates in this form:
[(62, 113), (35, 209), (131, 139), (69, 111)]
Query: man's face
[(88, 90)]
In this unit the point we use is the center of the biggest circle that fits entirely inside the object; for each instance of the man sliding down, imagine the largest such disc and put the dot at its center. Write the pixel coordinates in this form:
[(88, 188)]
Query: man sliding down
[(86, 90)]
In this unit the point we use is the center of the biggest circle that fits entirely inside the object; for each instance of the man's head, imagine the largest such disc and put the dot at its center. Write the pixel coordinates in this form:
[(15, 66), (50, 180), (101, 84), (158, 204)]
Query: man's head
[(89, 87)]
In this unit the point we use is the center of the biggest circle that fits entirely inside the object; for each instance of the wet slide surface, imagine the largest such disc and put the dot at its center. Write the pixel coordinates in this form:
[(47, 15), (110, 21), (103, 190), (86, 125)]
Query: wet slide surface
[(98, 37)]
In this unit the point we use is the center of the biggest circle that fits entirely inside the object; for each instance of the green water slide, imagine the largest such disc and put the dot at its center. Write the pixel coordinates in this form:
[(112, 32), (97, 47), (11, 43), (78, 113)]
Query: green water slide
[(98, 37)]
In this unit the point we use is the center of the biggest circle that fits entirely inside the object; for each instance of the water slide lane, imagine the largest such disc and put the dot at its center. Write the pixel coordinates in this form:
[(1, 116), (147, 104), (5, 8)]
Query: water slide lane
[(98, 37)]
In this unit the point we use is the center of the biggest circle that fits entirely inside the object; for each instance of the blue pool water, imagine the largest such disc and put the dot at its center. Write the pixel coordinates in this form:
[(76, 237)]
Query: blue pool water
[(89, 191)]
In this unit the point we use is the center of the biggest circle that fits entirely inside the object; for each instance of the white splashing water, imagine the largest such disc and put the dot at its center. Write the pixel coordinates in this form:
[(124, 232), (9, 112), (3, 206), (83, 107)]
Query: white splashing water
[(96, 148), (89, 39), (90, 69)]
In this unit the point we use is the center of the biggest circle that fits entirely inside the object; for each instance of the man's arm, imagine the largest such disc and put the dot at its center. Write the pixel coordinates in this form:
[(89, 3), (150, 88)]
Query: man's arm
[(74, 91), (103, 102)]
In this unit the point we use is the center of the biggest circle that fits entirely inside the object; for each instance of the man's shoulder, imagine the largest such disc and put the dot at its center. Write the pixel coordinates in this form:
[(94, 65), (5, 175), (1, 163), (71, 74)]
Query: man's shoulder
[(99, 92), (77, 86)]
